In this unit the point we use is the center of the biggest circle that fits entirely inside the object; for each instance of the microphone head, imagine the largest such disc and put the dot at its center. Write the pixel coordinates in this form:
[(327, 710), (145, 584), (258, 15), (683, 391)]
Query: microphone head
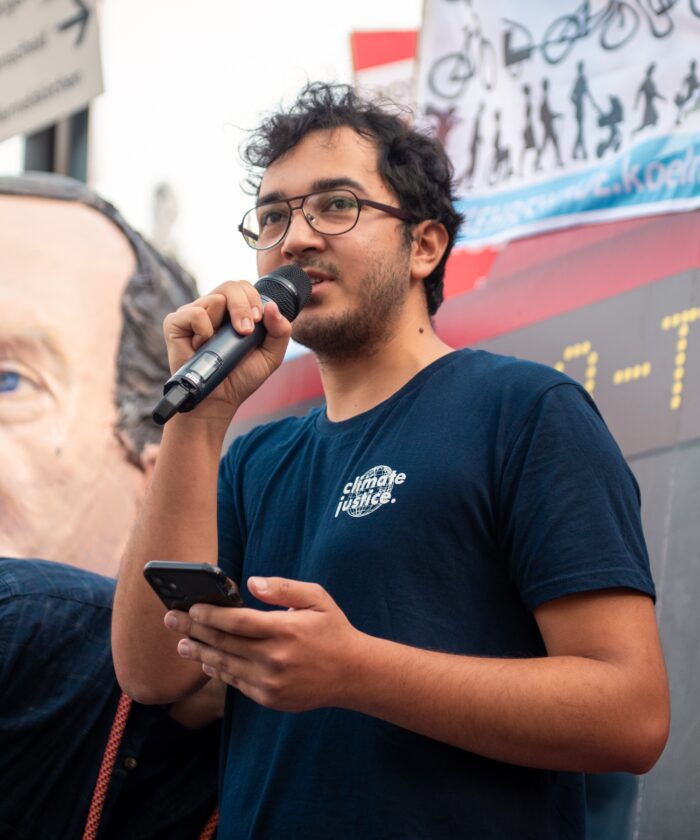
[(289, 287)]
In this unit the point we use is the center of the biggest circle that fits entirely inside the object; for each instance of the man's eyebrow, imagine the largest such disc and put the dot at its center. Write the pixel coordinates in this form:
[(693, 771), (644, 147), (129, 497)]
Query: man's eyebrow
[(317, 185), (334, 183)]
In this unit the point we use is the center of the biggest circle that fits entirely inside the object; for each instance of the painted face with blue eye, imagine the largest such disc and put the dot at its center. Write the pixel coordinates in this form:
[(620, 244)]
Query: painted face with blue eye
[(17, 382), (67, 491), (9, 381), (32, 369)]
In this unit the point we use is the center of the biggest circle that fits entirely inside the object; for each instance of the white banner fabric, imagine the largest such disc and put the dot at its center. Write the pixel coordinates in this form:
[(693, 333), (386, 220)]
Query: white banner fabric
[(558, 112)]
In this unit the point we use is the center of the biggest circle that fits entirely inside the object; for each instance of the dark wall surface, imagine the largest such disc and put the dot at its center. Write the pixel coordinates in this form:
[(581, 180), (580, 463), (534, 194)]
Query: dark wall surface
[(660, 437)]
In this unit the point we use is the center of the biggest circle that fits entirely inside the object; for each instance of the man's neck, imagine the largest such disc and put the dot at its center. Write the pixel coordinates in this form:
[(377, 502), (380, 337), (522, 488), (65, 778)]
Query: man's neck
[(353, 386)]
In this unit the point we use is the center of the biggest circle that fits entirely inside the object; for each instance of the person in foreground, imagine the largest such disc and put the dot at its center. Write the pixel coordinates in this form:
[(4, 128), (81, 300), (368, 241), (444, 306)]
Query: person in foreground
[(58, 701), (449, 608)]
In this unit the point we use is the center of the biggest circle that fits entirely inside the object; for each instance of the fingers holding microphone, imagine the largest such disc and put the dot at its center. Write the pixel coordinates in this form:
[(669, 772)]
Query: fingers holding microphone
[(199, 319), (237, 326), (186, 329)]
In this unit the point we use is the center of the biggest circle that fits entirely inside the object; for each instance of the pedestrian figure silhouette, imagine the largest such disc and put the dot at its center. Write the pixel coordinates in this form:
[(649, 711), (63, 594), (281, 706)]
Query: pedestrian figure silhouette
[(650, 92), (474, 148), (682, 99), (578, 96), (547, 117), (529, 141), (501, 168), (611, 119), (446, 121)]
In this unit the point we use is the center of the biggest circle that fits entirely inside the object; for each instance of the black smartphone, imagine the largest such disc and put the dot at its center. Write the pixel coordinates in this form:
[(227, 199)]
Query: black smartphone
[(179, 585)]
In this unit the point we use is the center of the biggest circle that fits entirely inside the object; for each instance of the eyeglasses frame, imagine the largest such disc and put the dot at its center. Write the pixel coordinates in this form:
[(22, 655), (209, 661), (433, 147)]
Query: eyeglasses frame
[(397, 212)]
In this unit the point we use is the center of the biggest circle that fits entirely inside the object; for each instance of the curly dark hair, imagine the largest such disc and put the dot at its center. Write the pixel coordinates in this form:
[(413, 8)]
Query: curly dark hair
[(414, 166)]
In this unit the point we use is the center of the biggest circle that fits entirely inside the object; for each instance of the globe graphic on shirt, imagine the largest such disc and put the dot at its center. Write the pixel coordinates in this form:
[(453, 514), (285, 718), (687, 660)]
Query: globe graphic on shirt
[(372, 485)]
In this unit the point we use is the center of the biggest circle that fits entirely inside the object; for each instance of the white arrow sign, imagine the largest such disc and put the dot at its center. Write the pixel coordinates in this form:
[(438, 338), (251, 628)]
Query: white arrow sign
[(49, 62)]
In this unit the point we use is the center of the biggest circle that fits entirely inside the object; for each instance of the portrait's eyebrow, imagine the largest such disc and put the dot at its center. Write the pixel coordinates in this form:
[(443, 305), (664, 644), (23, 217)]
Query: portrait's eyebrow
[(36, 346), (319, 184)]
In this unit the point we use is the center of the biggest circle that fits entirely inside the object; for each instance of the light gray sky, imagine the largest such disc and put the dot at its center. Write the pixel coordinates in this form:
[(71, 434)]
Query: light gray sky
[(181, 82)]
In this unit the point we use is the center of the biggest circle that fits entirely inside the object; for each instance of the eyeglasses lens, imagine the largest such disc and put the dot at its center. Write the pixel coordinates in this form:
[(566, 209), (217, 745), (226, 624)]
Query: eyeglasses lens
[(330, 212)]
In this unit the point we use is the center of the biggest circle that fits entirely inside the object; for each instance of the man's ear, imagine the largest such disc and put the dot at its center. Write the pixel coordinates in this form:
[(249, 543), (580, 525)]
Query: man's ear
[(430, 240)]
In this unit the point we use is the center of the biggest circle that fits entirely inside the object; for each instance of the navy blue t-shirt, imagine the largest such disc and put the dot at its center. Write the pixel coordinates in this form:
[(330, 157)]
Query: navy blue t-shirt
[(441, 518)]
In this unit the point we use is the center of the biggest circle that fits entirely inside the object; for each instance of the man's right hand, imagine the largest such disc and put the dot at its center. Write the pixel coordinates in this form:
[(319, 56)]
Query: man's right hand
[(177, 519), (191, 325)]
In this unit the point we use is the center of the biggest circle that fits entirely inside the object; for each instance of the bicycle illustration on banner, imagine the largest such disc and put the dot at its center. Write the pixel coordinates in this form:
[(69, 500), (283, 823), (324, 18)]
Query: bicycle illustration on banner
[(521, 94)]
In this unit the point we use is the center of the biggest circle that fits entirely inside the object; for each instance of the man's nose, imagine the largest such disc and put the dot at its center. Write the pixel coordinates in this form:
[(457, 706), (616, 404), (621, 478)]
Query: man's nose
[(300, 236)]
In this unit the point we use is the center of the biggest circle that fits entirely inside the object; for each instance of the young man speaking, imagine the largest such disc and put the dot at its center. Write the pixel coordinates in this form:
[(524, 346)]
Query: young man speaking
[(449, 608)]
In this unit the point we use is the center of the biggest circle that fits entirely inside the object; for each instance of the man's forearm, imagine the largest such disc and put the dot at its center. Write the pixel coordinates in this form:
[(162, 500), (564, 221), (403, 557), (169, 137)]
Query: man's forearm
[(177, 521), (597, 702), (563, 713)]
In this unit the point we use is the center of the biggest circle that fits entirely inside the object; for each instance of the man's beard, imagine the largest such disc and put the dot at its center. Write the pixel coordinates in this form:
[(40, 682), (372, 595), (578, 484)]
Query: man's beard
[(361, 329)]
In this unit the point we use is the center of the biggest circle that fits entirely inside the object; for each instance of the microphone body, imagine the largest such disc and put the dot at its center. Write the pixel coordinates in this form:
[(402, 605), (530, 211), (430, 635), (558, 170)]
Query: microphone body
[(289, 287)]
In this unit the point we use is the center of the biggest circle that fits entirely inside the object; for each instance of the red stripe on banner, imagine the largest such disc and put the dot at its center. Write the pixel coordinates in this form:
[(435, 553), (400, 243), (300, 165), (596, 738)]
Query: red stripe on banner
[(372, 49), (465, 269), (544, 276)]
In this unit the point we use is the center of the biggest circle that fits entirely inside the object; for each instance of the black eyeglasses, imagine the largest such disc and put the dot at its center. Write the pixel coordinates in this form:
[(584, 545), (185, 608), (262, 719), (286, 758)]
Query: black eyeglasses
[(330, 212)]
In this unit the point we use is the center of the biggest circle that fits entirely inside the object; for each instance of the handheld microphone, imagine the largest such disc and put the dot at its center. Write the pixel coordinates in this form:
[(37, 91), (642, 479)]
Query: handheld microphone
[(289, 287)]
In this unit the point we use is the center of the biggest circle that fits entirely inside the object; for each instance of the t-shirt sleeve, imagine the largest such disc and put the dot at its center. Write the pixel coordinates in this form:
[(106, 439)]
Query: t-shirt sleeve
[(569, 508)]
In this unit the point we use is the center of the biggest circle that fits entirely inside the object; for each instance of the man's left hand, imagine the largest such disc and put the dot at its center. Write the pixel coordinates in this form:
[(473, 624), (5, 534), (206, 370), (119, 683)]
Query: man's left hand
[(291, 660)]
